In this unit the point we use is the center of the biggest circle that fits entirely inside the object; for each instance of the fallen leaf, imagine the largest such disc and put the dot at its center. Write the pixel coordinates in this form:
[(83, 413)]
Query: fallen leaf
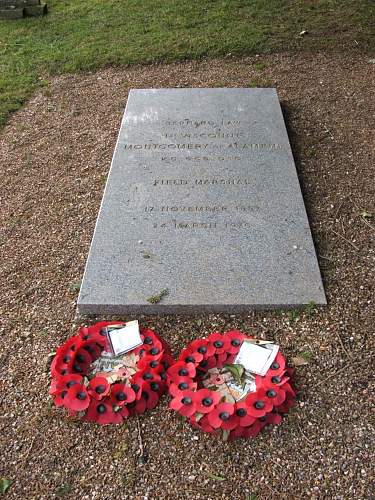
[(236, 370), (366, 215), (75, 287), (215, 477), (63, 490), (299, 361), (225, 438), (154, 299), (4, 485)]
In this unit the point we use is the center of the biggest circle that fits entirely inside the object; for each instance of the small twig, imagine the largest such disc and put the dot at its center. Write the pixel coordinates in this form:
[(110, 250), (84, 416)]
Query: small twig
[(326, 258), (343, 347), (363, 218), (262, 326), (337, 372), (339, 208), (276, 463), (343, 237), (274, 493), (304, 435), (327, 131), (26, 456), (367, 223), (140, 442)]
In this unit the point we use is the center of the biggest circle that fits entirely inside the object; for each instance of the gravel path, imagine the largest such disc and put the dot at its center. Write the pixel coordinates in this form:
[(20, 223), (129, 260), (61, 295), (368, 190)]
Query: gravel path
[(54, 158)]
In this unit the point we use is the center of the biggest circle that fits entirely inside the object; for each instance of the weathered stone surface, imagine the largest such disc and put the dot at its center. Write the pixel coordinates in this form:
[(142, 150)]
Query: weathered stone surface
[(10, 13), (202, 199), (15, 9), (18, 3), (36, 10)]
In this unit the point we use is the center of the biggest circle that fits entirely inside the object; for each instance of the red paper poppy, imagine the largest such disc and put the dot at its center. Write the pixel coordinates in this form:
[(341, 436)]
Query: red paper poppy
[(220, 416), (60, 366), (184, 403), (153, 349), (124, 412), (276, 395), (207, 364), (278, 366), (190, 356), (140, 406), (290, 399), (222, 359), (150, 363), (137, 388), (271, 419), (77, 398), (205, 425), (167, 361), (241, 412), (69, 346), (252, 430), (102, 413), (148, 337), (269, 381), (59, 397), (258, 403), (182, 384), (65, 382), (220, 342), (235, 341), (181, 369), (237, 432), (205, 400), (93, 349), (146, 376), (204, 347), (150, 394), (122, 394), (90, 336), (98, 387)]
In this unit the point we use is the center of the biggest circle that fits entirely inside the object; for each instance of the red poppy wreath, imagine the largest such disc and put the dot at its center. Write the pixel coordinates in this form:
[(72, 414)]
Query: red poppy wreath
[(218, 395), (81, 383)]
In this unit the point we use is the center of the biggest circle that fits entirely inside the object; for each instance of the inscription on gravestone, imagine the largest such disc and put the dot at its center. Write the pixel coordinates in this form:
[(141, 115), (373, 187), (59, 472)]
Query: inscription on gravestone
[(202, 199)]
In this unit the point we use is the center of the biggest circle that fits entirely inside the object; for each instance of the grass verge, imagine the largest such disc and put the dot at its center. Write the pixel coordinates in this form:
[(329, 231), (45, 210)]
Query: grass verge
[(88, 34)]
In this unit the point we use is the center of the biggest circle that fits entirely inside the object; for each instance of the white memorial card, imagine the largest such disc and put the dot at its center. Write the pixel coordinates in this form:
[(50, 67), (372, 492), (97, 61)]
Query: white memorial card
[(124, 339), (256, 359)]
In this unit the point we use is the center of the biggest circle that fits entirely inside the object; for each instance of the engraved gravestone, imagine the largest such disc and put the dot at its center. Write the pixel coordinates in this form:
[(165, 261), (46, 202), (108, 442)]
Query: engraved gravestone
[(202, 199)]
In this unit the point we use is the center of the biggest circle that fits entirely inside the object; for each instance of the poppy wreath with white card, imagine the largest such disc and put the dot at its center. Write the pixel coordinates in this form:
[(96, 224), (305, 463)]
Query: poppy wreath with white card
[(231, 385), (110, 371)]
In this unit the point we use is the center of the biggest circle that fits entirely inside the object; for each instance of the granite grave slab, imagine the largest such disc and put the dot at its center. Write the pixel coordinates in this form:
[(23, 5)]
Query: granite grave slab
[(202, 200)]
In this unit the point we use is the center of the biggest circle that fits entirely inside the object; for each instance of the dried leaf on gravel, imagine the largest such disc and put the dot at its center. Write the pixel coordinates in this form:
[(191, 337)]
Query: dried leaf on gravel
[(4, 485), (366, 215), (300, 361), (75, 287), (63, 490), (154, 299), (215, 476)]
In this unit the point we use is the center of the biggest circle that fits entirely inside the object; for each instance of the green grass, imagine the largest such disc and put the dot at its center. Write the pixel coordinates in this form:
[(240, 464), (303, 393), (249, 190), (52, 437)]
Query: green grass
[(82, 35)]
